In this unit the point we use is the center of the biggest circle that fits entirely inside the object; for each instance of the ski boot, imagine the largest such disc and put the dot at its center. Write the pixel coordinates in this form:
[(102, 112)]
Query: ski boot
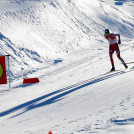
[(125, 66), (113, 68)]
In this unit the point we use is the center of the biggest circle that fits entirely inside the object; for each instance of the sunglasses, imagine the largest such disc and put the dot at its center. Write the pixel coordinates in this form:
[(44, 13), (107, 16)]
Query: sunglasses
[(106, 33)]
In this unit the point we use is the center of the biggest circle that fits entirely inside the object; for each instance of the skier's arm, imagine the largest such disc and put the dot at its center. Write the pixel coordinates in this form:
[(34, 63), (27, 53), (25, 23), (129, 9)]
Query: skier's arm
[(105, 36)]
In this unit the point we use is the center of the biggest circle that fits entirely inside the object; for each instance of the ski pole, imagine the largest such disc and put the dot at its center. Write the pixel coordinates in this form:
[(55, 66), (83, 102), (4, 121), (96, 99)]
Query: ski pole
[(9, 72)]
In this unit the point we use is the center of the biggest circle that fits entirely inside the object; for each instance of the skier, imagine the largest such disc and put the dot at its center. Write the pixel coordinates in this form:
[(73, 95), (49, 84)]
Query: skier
[(113, 46)]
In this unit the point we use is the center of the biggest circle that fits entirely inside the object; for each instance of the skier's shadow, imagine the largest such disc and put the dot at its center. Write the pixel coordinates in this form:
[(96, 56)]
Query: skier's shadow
[(58, 95)]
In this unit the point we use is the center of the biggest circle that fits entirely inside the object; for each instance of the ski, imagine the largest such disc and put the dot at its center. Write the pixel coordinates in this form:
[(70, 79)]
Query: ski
[(112, 71), (119, 71), (130, 63)]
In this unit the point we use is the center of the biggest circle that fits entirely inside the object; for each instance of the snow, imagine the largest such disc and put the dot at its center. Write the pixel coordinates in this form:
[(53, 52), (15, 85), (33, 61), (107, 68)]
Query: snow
[(62, 43)]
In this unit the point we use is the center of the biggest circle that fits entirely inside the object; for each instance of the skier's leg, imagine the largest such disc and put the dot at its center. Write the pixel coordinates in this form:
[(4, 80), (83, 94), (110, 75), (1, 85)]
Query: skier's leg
[(111, 59), (119, 57), (122, 61)]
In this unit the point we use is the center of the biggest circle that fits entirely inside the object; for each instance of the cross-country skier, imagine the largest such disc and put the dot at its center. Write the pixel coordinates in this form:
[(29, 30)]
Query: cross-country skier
[(113, 46)]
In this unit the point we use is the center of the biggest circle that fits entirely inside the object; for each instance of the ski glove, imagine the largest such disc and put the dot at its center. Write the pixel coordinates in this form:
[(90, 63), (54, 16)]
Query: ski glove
[(119, 42)]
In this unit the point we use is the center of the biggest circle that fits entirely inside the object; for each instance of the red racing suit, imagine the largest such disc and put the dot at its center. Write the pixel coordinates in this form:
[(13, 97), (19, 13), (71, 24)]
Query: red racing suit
[(113, 46)]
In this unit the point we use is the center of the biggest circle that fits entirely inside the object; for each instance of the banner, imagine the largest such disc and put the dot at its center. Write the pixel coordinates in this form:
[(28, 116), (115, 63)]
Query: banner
[(3, 76)]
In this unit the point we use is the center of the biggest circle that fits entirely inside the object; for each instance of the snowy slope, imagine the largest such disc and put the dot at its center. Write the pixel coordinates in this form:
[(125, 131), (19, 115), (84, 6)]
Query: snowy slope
[(41, 31), (61, 42)]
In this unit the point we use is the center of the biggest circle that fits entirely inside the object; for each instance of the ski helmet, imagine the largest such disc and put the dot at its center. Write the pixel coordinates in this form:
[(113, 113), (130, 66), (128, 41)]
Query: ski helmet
[(107, 31)]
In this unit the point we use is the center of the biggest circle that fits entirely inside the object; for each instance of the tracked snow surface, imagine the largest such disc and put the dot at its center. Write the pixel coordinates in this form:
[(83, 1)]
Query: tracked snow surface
[(62, 43)]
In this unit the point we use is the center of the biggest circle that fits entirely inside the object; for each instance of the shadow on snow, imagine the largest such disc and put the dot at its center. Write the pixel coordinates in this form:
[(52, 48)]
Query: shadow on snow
[(121, 2), (57, 95), (123, 122), (23, 1)]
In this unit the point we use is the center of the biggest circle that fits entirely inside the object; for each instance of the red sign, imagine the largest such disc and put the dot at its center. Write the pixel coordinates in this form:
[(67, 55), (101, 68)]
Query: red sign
[(3, 76)]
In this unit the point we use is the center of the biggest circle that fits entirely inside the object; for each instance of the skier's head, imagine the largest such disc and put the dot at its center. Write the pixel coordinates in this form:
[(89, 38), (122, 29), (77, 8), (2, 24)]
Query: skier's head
[(107, 32)]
